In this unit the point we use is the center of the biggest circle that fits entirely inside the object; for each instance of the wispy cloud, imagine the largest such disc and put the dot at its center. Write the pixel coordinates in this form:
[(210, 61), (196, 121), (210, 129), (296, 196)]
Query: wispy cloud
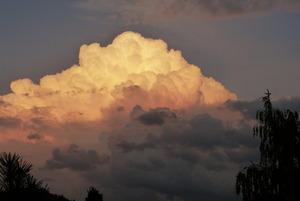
[(142, 11)]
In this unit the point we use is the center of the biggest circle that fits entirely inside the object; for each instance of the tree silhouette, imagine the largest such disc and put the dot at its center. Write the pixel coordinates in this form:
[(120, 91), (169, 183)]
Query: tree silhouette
[(94, 195), (277, 175), (17, 183), (15, 173)]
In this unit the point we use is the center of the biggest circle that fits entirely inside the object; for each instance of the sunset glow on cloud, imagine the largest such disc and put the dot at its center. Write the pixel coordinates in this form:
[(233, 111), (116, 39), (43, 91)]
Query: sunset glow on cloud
[(133, 70)]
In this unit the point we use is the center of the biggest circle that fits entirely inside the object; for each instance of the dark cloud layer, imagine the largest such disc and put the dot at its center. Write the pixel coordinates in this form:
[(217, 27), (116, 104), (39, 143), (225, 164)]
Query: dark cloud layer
[(249, 108), (187, 157), (201, 132), (162, 154), (180, 159), (141, 11), (76, 159), (35, 136), (156, 116), (126, 146)]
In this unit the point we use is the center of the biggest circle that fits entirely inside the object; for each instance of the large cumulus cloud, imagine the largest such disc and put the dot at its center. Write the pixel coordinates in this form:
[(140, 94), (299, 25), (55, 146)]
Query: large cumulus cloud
[(113, 79), (132, 70)]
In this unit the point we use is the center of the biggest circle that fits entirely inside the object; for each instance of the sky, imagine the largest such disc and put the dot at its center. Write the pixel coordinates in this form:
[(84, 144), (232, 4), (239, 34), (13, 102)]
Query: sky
[(145, 100)]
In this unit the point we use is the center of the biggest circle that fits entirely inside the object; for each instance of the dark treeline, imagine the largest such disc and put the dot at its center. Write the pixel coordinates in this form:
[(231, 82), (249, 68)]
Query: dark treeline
[(17, 183), (277, 175)]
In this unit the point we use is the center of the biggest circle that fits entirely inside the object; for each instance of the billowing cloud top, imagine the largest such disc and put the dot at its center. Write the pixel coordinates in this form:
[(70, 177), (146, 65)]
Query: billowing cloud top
[(132, 70)]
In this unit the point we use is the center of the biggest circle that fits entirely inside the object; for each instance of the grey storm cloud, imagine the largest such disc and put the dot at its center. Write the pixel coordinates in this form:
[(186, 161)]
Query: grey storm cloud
[(188, 158), (292, 103), (76, 159), (156, 116), (126, 146), (35, 136), (169, 177), (152, 164), (202, 132), (139, 11), (249, 108)]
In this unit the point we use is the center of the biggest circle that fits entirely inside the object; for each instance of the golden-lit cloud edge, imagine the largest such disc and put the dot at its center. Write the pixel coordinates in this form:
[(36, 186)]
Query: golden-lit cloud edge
[(130, 71)]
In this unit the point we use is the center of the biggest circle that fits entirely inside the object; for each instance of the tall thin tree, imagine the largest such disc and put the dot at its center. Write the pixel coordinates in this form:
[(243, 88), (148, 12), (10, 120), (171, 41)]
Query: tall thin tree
[(277, 175)]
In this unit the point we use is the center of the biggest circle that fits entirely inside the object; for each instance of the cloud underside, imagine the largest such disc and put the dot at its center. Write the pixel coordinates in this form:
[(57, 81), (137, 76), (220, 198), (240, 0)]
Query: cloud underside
[(142, 11), (177, 158), (164, 154), (75, 159)]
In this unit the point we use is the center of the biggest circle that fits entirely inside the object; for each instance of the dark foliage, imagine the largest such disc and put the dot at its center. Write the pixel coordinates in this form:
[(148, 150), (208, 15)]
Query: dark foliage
[(16, 182), (15, 174), (94, 195), (277, 175)]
